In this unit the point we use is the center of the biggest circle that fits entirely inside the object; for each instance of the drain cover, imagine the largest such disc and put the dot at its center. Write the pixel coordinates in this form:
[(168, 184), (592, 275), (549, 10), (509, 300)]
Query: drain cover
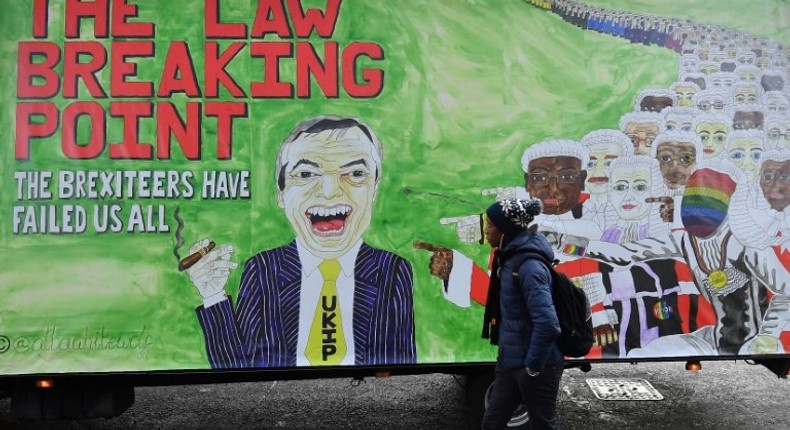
[(623, 389)]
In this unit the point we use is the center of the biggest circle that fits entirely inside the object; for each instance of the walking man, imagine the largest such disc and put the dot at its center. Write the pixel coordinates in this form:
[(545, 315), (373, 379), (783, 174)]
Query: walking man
[(529, 365)]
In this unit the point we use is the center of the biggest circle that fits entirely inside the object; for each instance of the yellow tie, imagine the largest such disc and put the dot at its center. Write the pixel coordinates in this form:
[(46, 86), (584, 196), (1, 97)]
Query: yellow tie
[(326, 345)]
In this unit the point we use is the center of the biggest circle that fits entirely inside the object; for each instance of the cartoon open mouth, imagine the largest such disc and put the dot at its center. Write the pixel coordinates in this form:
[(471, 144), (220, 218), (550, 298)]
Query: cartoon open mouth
[(709, 151), (599, 180), (328, 221)]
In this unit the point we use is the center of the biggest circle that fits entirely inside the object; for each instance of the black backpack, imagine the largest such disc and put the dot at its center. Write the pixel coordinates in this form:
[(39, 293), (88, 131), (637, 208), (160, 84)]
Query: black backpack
[(572, 306)]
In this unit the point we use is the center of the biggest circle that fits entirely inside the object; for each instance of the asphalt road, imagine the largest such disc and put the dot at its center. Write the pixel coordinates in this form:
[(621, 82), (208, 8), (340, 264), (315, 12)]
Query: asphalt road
[(723, 395)]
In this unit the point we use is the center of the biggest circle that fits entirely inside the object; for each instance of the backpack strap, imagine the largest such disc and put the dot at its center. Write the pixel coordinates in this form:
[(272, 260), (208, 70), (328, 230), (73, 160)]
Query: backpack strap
[(519, 259)]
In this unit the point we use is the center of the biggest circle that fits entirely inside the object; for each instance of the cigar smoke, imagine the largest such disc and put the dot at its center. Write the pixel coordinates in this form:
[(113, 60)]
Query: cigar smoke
[(179, 238), (407, 191)]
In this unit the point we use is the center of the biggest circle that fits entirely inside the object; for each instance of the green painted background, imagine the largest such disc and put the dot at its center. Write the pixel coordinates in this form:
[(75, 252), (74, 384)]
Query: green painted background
[(469, 85)]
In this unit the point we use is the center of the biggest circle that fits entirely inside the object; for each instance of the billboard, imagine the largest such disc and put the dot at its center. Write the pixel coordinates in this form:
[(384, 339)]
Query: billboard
[(285, 183)]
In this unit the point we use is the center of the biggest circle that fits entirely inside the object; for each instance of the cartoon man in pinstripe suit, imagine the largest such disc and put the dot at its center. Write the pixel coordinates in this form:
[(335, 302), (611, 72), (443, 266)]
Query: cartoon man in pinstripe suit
[(326, 298)]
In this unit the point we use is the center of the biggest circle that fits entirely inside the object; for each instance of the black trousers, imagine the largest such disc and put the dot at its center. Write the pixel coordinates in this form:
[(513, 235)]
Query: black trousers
[(539, 393)]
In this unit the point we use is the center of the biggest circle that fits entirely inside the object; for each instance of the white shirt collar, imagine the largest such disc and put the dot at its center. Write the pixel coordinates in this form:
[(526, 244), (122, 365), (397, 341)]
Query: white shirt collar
[(310, 261)]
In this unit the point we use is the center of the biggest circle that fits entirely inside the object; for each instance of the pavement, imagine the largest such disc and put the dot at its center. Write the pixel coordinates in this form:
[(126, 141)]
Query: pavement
[(721, 396)]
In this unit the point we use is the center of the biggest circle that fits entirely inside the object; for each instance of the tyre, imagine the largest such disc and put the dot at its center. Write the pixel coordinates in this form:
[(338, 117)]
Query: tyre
[(477, 383), (520, 417), (478, 388)]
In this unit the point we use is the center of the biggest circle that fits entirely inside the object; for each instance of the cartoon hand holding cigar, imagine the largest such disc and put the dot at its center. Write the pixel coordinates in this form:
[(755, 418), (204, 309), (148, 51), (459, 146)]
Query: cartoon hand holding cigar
[(441, 261), (194, 257), (209, 269), (667, 209)]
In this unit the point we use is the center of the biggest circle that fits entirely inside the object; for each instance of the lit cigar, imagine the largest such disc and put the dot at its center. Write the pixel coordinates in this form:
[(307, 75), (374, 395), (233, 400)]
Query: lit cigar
[(190, 260), (662, 199), (429, 247)]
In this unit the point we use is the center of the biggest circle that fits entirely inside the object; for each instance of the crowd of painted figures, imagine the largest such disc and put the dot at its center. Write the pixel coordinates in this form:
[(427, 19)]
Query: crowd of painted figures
[(675, 224)]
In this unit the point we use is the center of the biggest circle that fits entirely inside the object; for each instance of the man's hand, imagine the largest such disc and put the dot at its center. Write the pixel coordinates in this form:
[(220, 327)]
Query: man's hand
[(604, 335), (469, 228), (556, 239), (502, 193), (441, 261), (566, 244), (667, 208), (210, 274)]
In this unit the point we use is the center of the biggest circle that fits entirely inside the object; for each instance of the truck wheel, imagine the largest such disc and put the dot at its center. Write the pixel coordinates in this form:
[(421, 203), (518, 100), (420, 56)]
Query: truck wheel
[(477, 383), (520, 417), (478, 388)]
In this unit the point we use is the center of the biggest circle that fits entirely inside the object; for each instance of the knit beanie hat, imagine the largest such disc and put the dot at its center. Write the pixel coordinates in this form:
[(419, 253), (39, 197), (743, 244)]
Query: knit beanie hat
[(512, 216)]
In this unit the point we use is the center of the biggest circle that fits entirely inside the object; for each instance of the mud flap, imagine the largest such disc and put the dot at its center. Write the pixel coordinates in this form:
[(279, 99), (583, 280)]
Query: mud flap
[(779, 366)]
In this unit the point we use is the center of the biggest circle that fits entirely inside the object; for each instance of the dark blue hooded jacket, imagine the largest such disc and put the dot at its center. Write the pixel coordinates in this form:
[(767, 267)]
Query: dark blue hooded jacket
[(529, 328)]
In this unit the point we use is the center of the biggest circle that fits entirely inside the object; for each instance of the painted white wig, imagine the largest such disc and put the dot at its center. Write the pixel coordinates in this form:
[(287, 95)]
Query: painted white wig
[(640, 118), (609, 136), (556, 148)]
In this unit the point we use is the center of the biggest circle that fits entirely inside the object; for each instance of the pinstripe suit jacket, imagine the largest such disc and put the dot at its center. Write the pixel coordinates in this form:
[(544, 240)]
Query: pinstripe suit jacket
[(261, 330)]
